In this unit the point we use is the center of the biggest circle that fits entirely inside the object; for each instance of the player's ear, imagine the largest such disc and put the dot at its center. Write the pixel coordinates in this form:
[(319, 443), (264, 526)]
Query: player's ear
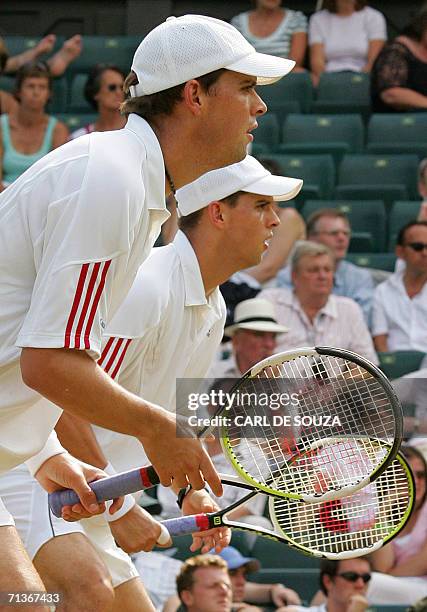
[(192, 95), (216, 213), (186, 598)]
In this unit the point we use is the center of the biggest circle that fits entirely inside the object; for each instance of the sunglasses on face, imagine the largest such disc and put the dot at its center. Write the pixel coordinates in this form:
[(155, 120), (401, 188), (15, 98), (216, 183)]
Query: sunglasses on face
[(113, 87), (354, 576), (417, 246)]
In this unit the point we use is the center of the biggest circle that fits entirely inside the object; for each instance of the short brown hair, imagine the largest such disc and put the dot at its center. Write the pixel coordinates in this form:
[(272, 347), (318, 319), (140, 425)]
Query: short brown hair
[(334, 213), (331, 5), (189, 222), (32, 70), (185, 578), (161, 102), (4, 54)]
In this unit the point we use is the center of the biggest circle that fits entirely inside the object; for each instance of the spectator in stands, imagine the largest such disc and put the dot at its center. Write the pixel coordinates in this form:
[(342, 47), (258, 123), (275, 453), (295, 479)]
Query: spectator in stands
[(399, 75), (29, 133), (422, 189), (314, 316), (239, 567), (253, 336), (270, 28), (203, 585), (399, 316), (104, 92), (400, 576), (331, 227), (274, 595), (343, 587), (57, 64), (346, 35)]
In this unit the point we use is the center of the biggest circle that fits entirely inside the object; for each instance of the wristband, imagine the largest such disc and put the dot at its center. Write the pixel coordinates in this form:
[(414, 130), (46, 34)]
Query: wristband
[(128, 504), (181, 495)]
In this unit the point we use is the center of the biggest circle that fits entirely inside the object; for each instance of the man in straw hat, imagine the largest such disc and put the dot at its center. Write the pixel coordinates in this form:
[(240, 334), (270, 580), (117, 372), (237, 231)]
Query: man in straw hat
[(74, 230), (169, 327), (253, 337)]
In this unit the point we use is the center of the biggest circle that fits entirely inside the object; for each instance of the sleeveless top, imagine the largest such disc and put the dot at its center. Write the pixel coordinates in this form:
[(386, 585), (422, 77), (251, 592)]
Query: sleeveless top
[(396, 66), (15, 163)]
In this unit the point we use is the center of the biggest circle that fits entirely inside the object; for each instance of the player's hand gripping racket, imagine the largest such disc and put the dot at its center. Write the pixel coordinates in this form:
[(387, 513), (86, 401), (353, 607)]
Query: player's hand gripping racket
[(341, 529), (331, 408)]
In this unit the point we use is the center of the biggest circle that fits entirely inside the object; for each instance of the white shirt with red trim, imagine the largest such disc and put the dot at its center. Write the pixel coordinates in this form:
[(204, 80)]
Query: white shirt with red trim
[(166, 329), (74, 229)]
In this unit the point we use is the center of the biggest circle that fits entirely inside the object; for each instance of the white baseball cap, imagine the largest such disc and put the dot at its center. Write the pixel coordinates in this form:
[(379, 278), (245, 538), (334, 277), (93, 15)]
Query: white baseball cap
[(248, 175), (187, 47), (255, 314)]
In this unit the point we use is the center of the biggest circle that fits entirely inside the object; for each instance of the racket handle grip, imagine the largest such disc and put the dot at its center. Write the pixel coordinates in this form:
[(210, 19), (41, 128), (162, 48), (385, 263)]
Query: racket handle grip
[(184, 525), (107, 488)]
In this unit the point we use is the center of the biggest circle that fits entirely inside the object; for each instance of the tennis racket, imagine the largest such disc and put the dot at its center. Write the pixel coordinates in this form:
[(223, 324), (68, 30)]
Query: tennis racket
[(340, 529), (322, 441)]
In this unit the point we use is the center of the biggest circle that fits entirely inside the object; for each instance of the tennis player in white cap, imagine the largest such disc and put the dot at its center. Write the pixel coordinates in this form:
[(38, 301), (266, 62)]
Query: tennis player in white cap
[(75, 228), (169, 327)]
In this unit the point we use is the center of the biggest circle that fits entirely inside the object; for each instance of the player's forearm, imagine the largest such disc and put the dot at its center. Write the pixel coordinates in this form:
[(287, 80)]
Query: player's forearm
[(77, 436), (383, 559), (256, 592), (73, 381)]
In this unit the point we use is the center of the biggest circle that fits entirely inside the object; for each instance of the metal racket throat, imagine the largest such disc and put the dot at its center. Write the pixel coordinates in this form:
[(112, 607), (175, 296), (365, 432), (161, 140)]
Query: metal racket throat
[(317, 434), (341, 529)]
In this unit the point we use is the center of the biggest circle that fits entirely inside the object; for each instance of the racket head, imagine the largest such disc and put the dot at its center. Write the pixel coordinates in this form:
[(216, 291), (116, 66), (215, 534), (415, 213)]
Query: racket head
[(352, 526), (330, 383)]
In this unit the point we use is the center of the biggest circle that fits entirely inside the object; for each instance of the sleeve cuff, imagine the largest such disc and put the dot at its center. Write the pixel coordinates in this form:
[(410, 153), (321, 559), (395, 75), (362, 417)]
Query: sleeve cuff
[(51, 448)]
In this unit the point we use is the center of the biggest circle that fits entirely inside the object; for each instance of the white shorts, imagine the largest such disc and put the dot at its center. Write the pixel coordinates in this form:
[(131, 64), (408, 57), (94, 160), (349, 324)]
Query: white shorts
[(6, 519), (27, 501)]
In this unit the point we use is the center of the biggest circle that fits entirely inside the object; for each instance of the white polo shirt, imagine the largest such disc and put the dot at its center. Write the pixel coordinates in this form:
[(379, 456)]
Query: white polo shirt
[(402, 318), (339, 323), (74, 229), (165, 329)]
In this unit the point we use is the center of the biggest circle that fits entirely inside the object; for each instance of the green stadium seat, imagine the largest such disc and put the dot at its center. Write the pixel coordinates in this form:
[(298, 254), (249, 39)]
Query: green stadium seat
[(117, 50), (7, 83), (388, 608), (317, 172), (343, 92), (276, 555), (314, 134), (375, 170), (295, 88), (400, 214), (304, 581), (268, 131), (74, 122), (58, 101), (387, 193), (378, 261), (399, 363), (77, 102), (367, 219), (397, 133), (260, 149)]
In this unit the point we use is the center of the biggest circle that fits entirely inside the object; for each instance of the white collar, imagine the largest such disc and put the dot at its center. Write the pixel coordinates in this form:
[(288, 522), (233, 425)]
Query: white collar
[(193, 282)]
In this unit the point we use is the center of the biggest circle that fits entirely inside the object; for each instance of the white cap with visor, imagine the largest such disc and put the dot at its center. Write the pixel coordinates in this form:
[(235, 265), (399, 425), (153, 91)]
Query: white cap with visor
[(248, 175), (187, 47)]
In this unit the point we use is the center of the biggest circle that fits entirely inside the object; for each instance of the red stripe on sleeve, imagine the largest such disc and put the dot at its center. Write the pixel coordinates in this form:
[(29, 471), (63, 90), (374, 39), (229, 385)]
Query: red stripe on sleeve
[(105, 351), (119, 363), (76, 302), (95, 303), (114, 354), (86, 304)]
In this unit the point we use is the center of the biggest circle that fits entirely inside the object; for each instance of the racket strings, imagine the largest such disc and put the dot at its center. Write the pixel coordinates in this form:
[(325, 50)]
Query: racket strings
[(325, 390), (373, 514)]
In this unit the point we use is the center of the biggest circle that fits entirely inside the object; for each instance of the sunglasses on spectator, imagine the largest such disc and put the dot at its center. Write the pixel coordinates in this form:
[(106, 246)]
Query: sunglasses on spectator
[(417, 246), (354, 576), (114, 87)]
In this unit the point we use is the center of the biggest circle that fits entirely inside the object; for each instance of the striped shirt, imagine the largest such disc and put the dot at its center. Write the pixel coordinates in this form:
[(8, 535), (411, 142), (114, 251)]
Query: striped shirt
[(74, 229), (279, 42)]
